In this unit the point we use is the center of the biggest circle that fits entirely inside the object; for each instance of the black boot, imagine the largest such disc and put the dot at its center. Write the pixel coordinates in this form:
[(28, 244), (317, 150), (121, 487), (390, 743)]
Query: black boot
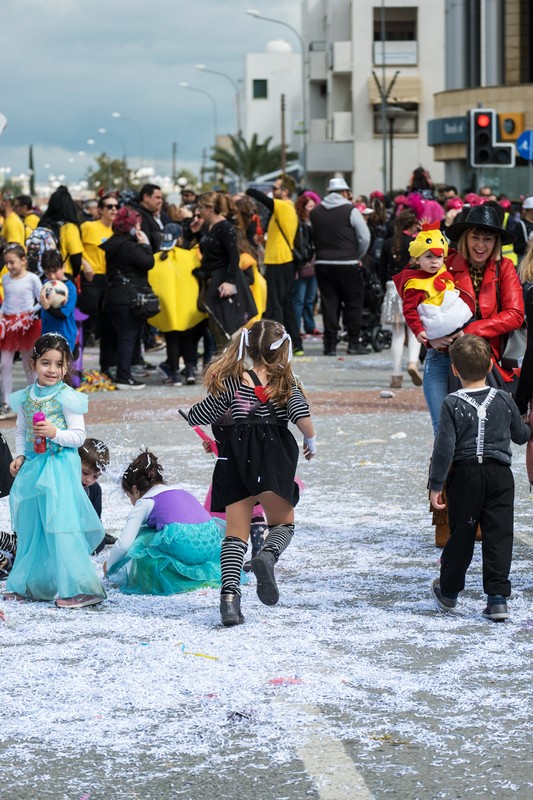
[(263, 568), (230, 609)]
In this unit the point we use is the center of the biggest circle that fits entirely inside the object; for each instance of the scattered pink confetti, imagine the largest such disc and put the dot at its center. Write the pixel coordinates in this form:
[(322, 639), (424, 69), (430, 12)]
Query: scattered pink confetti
[(285, 681)]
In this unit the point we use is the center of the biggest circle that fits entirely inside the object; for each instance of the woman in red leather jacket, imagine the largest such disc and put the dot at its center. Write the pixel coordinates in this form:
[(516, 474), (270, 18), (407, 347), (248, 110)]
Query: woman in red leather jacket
[(489, 284)]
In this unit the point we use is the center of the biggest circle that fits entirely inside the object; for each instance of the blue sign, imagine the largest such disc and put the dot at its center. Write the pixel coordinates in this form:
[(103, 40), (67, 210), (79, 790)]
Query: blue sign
[(524, 145), (446, 130)]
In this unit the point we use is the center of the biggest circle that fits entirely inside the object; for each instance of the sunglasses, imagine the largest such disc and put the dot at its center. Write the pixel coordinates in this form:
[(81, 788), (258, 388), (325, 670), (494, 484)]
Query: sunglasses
[(197, 216), (110, 205)]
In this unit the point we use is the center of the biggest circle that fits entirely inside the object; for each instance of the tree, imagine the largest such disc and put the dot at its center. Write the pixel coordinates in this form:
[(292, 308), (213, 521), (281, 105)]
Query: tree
[(247, 161), (111, 174)]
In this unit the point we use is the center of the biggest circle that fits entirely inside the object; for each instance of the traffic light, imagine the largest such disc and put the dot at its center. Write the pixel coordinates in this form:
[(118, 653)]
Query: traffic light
[(484, 147)]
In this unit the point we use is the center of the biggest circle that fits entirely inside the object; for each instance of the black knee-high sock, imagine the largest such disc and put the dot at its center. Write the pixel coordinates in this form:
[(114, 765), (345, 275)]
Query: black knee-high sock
[(278, 539), (232, 555)]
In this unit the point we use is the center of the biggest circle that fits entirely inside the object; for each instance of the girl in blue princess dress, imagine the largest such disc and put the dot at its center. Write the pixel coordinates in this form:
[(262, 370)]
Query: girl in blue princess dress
[(57, 527), (169, 542)]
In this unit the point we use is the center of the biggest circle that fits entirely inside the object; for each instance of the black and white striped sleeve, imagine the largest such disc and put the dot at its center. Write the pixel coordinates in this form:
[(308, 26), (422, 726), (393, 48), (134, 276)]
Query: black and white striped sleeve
[(212, 407), (297, 407)]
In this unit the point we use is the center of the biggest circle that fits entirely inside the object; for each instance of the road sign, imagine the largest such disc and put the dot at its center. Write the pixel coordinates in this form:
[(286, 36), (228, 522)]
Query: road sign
[(524, 145)]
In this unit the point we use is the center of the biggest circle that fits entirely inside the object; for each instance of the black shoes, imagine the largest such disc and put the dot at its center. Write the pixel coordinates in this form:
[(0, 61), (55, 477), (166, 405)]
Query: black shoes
[(230, 609), (263, 569), (130, 383), (357, 350), (444, 603), (497, 612), (330, 352)]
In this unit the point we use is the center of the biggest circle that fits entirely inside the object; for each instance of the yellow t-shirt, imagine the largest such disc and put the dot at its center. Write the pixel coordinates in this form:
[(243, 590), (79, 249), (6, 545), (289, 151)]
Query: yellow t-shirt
[(13, 229), (31, 221), (93, 234), (69, 244), (277, 250)]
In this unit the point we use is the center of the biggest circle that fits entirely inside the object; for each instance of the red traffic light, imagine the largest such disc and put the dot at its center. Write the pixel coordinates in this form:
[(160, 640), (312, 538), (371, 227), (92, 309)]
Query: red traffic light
[(483, 121)]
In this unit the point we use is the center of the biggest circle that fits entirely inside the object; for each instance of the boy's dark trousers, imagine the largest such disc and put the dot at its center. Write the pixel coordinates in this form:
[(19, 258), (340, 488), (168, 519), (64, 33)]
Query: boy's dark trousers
[(481, 493)]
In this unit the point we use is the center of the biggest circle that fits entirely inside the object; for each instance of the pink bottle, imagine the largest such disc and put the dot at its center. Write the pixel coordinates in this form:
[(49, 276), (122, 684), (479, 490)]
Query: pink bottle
[(39, 442)]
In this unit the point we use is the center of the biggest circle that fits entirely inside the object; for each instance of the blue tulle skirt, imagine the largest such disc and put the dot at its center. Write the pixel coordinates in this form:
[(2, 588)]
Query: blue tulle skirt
[(57, 529), (178, 558)]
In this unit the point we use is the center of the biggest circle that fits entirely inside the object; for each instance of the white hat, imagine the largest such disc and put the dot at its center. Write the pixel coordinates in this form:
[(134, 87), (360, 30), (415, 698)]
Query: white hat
[(528, 203), (338, 185)]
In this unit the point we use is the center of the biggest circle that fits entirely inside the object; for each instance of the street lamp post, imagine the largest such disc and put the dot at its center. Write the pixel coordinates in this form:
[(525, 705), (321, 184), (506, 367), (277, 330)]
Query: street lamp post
[(235, 85), (118, 115), (305, 70), (185, 85)]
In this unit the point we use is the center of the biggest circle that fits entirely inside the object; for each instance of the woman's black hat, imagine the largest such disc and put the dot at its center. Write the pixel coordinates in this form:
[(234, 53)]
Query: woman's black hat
[(484, 217)]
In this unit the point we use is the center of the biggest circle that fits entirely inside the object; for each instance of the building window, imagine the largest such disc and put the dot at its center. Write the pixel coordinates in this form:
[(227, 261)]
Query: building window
[(260, 89), (402, 119), (396, 40)]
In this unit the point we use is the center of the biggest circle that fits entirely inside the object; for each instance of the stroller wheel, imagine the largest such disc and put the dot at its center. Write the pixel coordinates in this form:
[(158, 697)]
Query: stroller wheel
[(378, 338)]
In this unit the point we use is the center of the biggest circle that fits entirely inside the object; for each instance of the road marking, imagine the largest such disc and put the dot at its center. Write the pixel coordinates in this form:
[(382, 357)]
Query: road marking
[(329, 765)]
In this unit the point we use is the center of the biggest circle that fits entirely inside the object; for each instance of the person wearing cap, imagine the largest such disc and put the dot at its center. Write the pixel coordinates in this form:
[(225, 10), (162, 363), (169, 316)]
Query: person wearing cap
[(341, 238), (527, 216), (432, 306), (489, 286), (189, 197), (179, 319)]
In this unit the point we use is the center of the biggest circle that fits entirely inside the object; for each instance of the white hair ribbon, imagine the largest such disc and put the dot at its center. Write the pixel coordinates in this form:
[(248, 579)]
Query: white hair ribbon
[(279, 342), (243, 343)]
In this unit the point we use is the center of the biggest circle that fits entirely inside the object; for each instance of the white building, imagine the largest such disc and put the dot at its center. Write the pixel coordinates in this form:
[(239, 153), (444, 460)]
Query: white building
[(267, 76), (347, 58)]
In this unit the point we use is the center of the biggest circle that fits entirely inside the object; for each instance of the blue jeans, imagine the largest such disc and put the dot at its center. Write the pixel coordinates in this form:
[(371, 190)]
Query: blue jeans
[(303, 299), (436, 370)]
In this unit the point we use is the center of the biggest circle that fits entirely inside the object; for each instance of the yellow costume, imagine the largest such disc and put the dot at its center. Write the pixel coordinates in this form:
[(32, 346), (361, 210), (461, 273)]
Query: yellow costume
[(258, 287), (177, 288)]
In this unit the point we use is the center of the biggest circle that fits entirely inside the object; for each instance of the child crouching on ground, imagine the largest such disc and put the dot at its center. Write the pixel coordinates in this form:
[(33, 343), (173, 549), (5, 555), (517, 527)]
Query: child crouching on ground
[(472, 454)]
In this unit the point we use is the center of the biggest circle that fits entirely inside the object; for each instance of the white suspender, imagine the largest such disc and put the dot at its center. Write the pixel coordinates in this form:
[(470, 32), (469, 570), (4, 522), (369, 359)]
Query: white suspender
[(481, 416)]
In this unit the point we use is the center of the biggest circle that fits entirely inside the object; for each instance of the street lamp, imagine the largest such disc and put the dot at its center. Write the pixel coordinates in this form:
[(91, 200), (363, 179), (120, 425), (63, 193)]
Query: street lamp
[(118, 115), (235, 85), (252, 12), (185, 85)]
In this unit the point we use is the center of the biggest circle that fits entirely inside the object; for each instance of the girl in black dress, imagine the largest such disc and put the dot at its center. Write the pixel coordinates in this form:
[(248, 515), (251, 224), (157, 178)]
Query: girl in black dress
[(257, 453)]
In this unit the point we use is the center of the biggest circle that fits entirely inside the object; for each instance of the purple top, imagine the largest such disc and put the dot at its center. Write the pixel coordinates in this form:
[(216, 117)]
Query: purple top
[(176, 505)]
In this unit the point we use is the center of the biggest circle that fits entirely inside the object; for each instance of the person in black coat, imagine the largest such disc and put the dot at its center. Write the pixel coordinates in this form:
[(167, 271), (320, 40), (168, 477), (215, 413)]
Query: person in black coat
[(129, 258)]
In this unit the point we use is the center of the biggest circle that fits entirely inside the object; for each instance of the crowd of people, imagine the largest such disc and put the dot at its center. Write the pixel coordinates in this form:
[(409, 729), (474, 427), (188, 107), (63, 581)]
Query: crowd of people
[(246, 275)]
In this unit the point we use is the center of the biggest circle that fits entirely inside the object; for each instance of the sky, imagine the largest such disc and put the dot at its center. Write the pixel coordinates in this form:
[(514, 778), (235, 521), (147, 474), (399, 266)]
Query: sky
[(69, 64)]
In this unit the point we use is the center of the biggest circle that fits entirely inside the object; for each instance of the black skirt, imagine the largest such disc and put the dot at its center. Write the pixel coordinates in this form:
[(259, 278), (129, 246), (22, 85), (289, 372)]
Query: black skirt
[(255, 458)]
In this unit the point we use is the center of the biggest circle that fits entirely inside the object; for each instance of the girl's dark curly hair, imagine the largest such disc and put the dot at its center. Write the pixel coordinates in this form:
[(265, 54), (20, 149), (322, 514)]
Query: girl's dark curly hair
[(144, 472)]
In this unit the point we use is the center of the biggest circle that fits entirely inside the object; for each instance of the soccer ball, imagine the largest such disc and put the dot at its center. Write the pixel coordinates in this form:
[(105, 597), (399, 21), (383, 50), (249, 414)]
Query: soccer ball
[(56, 292)]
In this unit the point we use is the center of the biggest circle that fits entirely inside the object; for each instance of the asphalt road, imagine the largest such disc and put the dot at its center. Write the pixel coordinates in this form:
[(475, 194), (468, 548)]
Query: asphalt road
[(353, 687)]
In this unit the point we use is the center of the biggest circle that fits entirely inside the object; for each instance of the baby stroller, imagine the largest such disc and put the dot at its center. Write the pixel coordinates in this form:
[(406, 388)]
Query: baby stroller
[(371, 331)]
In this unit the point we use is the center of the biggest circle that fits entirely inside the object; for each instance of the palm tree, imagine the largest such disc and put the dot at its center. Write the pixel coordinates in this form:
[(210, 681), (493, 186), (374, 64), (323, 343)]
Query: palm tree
[(246, 161)]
